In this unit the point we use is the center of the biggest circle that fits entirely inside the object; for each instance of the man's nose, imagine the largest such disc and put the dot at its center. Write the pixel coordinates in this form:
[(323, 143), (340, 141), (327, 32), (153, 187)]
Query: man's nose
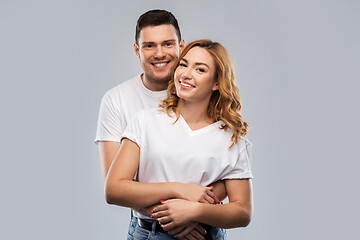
[(159, 52)]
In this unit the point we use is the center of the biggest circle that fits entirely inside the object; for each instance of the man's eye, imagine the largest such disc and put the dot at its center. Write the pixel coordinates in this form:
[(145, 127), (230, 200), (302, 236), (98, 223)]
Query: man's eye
[(169, 44), (148, 46)]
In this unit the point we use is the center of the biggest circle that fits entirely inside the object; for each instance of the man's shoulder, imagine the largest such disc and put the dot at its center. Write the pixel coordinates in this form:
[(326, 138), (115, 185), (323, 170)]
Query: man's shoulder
[(126, 87)]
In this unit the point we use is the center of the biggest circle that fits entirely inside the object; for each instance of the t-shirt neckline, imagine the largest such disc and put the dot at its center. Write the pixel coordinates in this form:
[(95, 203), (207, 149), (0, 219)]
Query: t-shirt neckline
[(148, 91), (202, 130)]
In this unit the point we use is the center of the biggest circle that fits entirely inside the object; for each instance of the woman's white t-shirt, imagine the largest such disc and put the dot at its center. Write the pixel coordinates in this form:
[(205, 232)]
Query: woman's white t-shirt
[(174, 153)]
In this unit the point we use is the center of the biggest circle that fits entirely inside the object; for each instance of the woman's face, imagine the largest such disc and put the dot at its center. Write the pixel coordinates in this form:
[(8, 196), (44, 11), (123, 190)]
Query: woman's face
[(195, 76)]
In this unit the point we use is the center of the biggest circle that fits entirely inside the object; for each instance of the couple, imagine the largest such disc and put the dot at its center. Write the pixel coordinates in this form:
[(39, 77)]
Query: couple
[(184, 155)]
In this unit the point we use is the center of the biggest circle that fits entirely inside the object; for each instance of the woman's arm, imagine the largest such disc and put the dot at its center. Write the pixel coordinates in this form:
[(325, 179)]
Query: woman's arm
[(237, 213), (120, 189)]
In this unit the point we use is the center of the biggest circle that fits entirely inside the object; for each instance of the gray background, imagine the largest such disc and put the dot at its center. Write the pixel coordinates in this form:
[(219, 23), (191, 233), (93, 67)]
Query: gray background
[(297, 66)]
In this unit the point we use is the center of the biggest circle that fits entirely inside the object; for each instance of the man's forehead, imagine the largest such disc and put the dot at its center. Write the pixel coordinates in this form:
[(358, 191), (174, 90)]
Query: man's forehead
[(158, 34)]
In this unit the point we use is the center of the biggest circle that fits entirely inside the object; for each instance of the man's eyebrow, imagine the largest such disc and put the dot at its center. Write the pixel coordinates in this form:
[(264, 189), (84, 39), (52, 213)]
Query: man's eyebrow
[(146, 43), (168, 40), (197, 63)]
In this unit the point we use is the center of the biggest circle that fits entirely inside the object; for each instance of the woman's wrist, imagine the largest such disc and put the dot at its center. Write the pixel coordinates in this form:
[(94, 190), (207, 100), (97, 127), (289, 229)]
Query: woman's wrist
[(197, 210), (173, 188)]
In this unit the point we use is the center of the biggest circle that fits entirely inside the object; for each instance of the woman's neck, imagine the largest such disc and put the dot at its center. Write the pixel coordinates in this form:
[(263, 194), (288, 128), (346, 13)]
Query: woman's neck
[(195, 114)]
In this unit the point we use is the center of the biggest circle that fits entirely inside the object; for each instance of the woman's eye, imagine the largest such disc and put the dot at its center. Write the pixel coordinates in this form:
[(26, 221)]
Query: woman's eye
[(182, 64), (201, 70)]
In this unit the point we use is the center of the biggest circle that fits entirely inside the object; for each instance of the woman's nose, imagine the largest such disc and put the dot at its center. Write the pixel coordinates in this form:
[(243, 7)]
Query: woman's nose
[(186, 74)]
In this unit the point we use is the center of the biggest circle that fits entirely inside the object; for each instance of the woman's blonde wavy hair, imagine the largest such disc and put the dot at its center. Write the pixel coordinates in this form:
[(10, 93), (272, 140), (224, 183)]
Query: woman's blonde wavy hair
[(224, 103)]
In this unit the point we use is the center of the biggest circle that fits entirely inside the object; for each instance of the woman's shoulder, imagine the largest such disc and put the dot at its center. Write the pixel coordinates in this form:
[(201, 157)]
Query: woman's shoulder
[(242, 143)]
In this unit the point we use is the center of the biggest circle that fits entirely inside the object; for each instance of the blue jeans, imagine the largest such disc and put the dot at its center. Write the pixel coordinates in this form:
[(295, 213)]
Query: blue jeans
[(138, 233)]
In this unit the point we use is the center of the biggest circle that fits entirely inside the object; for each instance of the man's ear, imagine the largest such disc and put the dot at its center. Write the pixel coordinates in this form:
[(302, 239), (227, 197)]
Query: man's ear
[(137, 50), (181, 45)]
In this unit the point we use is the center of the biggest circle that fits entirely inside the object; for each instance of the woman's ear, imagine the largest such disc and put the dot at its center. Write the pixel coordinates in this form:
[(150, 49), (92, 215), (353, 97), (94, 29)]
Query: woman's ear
[(216, 87)]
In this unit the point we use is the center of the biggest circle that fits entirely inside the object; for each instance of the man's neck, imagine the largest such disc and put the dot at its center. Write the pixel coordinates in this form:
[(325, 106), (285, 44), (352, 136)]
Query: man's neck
[(153, 85)]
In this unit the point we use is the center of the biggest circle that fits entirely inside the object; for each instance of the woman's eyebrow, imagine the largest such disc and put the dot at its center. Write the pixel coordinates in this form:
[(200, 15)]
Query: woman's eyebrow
[(197, 63)]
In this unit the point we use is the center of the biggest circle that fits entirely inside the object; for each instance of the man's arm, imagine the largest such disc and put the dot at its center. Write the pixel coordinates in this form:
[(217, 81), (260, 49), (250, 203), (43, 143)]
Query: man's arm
[(219, 190), (107, 151)]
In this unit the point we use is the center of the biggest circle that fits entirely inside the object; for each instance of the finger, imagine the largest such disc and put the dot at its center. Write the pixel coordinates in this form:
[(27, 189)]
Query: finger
[(169, 226), (160, 214), (190, 237), (197, 235), (216, 199), (165, 220), (177, 230), (160, 208), (213, 196), (183, 238), (200, 229), (203, 200), (209, 199), (191, 226)]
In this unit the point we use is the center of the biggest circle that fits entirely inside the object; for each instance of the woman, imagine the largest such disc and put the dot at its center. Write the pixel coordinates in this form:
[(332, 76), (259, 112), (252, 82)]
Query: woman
[(197, 137)]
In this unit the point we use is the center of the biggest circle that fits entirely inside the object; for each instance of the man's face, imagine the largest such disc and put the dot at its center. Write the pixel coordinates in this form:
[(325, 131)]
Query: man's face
[(158, 51)]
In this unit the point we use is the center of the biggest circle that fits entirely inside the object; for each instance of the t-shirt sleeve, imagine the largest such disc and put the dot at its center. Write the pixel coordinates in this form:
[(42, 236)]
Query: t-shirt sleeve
[(109, 126), (133, 129), (242, 167)]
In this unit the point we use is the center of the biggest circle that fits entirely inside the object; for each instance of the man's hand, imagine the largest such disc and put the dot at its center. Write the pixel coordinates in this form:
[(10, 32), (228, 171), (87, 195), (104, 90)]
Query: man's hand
[(191, 230)]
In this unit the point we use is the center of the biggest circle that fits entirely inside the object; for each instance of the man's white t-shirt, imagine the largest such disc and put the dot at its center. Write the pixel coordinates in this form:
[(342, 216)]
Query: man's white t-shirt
[(174, 153), (120, 103)]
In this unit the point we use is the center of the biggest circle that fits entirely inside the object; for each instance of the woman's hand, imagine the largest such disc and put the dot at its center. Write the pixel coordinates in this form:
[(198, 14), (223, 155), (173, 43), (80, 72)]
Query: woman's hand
[(175, 212), (196, 193)]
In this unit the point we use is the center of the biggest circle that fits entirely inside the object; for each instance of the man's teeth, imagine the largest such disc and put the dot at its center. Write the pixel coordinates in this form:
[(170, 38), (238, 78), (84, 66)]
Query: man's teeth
[(185, 84), (159, 64)]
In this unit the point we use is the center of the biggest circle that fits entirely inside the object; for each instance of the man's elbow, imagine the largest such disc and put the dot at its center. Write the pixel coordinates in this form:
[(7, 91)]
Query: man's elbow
[(245, 220), (110, 195), (109, 199)]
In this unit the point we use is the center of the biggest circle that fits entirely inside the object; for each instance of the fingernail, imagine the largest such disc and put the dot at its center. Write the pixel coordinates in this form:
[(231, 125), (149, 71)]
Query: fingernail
[(153, 211), (162, 201), (211, 186), (152, 216), (218, 202)]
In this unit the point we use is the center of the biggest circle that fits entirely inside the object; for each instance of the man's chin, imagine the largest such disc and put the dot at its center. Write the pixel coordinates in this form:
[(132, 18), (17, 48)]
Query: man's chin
[(161, 78)]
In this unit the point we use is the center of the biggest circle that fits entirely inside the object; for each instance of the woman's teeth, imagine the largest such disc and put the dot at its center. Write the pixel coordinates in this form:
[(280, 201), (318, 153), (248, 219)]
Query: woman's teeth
[(185, 84)]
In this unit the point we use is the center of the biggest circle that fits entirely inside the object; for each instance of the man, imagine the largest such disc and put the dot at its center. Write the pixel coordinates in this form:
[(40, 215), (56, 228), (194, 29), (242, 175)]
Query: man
[(158, 45)]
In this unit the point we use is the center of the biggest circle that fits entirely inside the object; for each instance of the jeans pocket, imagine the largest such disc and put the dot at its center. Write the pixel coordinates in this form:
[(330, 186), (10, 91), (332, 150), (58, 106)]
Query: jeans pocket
[(141, 234), (131, 230)]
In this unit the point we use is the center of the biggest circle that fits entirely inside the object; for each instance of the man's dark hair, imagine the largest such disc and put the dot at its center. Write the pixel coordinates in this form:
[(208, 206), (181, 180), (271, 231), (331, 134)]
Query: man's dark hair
[(155, 18)]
